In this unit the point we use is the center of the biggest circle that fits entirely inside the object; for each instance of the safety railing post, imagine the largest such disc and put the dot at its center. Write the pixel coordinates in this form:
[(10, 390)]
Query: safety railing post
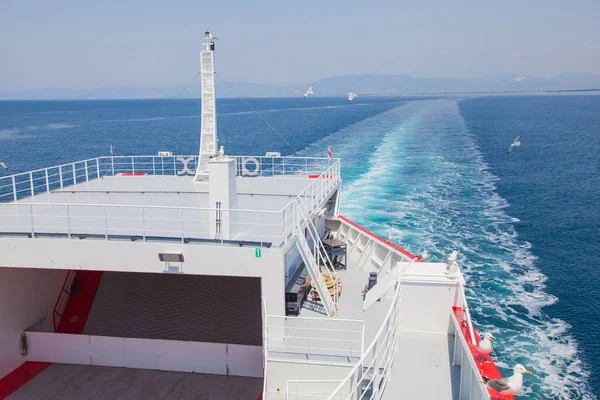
[(87, 177), (47, 182), (132, 165), (181, 218), (174, 166), (112, 165), (31, 220), (14, 185), (143, 225), (105, 224), (68, 222), (153, 166), (31, 184), (60, 178), (98, 168), (74, 175)]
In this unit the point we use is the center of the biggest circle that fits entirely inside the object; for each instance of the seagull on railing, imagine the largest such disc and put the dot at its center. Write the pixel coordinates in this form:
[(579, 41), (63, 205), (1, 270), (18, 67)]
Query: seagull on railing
[(452, 256), (309, 91), (219, 154), (3, 165), (511, 385), (514, 144), (451, 268), (423, 256), (485, 346)]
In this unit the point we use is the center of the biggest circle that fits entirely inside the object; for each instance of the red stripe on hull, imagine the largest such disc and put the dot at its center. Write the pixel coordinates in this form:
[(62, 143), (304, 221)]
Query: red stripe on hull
[(80, 303), (360, 228), (487, 369), (20, 376)]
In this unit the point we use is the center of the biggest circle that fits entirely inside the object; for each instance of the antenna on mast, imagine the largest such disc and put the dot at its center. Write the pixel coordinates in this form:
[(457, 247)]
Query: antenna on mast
[(208, 130)]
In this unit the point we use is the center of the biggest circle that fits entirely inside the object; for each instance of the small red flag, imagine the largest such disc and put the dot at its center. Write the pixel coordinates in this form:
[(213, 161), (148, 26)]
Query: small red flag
[(329, 153)]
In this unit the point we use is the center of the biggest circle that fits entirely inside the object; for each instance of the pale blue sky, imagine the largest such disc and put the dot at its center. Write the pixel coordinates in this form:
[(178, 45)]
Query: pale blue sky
[(89, 44)]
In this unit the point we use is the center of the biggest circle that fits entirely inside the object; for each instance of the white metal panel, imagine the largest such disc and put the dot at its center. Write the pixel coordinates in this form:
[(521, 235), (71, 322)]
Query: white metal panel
[(107, 351), (245, 360), (140, 353), (175, 355), (58, 348), (209, 358)]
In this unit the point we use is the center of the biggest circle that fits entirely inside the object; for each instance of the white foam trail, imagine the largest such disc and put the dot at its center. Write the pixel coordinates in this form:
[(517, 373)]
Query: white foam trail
[(419, 172)]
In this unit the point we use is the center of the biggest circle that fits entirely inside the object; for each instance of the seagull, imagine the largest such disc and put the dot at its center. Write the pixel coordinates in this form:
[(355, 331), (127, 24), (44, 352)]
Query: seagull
[(309, 91), (485, 346), (424, 255), (3, 165), (514, 144), (351, 96), (452, 256), (219, 154), (451, 268), (512, 385)]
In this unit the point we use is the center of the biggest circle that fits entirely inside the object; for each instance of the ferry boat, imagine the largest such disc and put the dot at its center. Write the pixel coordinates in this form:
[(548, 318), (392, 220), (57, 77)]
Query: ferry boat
[(221, 277)]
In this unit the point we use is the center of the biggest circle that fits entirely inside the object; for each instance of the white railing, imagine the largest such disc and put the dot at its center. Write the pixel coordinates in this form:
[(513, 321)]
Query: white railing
[(265, 346), (368, 378), (146, 223), (31, 183), (330, 340), (471, 384), (309, 389), (273, 166), (151, 222)]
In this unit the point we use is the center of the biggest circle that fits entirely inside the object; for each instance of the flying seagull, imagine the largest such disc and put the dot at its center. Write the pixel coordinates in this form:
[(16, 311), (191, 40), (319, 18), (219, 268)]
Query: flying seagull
[(219, 154), (512, 385), (3, 165), (514, 144), (351, 96), (309, 91), (485, 346)]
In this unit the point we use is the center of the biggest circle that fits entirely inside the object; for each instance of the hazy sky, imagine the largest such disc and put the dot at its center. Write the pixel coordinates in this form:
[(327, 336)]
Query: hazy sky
[(89, 44)]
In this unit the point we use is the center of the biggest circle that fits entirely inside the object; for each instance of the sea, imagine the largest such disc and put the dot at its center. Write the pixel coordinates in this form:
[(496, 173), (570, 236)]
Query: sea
[(431, 172)]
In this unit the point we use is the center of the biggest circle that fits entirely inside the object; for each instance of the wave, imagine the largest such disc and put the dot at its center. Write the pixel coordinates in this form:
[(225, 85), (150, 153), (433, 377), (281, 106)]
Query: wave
[(419, 173)]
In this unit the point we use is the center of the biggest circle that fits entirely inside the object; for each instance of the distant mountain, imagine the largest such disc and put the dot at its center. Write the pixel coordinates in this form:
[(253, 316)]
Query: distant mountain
[(335, 86)]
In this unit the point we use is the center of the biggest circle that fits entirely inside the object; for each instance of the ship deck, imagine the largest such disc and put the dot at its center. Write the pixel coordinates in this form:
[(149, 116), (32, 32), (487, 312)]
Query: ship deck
[(423, 367), (62, 381), (253, 193)]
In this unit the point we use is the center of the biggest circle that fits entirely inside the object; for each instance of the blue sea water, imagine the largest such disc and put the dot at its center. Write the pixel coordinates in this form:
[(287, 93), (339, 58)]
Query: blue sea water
[(433, 173)]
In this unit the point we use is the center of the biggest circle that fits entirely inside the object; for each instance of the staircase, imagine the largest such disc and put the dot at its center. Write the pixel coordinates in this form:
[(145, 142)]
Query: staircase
[(316, 258)]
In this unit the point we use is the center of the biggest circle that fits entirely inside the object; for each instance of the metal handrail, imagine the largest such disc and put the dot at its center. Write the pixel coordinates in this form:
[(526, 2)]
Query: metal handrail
[(265, 346), (29, 184), (381, 377)]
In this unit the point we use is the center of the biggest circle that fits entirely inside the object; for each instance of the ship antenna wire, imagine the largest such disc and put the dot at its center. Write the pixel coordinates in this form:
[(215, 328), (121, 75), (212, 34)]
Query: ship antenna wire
[(188, 84), (131, 144), (270, 126)]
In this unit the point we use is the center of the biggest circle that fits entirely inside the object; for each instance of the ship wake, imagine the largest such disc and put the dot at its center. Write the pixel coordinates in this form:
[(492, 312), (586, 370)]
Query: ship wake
[(416, 173)]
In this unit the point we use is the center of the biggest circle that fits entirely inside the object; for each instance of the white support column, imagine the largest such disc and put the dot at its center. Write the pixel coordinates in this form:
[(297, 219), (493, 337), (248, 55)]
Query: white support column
[(208, 130), (222, 197)]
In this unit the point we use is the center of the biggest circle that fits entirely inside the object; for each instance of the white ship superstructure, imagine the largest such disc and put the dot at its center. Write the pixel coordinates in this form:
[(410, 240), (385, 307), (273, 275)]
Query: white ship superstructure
[(218, 276)]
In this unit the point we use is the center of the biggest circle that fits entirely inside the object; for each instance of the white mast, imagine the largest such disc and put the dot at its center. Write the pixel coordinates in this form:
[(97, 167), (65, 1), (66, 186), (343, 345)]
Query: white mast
[(208, 130)]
